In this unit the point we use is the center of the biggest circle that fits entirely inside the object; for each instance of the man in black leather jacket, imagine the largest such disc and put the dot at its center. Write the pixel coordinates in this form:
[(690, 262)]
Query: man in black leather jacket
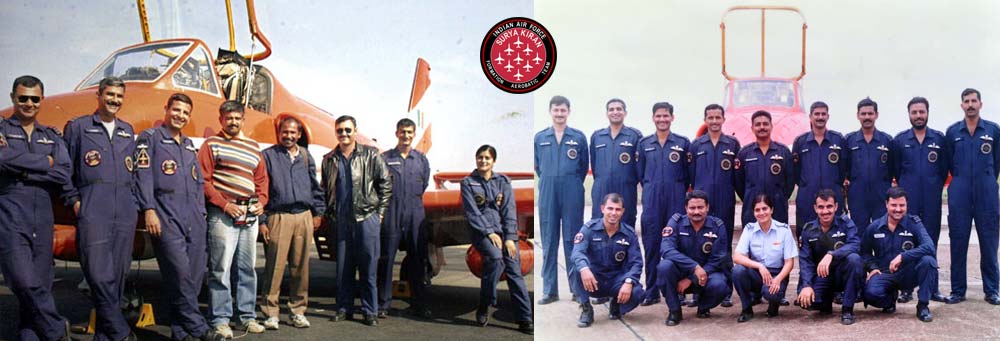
[(356, 209)]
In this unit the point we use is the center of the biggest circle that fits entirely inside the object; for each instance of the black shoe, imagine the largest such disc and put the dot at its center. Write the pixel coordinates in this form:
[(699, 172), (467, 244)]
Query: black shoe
[(549, 299), (211, 335), (704, 314), (924, 313), (784, 302), (847, 316), (601, 300), (370, 320), (382, 314), (586, 315), (339, 316), (483, 315), (420, 312), (952, 299), (772, 309), (838, 298), (745, 315), (615, 312), (937, 297), (727, 301), (890, 309), (650, 301), (526, 327), (674, 318), (905, 297), (993, 299)]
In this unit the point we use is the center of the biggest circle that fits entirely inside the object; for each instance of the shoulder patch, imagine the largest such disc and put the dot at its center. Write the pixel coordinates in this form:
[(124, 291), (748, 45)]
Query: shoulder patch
[(578, 238), (667, 231)]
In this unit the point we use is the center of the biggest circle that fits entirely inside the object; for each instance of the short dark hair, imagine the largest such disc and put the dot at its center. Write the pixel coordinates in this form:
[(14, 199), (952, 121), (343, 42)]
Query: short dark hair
[(111, 81), (714, 106), (558, 100), (613, 100), (916, 100), (867, 102), (818, 104), (290, 119), (663, 105), (695, 194), (404, 123), (27, 81), (968, 91), (180, 98), (612, 197), (231, 106), (489, 149), (895, 193), (762, 198), (760, 113), (344, 118), (825, 194)]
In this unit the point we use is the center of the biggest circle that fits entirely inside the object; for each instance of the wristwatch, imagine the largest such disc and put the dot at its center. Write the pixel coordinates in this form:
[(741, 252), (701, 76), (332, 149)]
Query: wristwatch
[(628, 280)]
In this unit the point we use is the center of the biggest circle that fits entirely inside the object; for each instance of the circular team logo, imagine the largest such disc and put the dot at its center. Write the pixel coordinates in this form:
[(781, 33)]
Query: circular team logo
[(833, 157), (624, 157), (884, 158), (675, 156), (986, 148), (706, 247), (92, 158), (775, 168), (518, 55), (620, 256), (480, 200), (932, 156), (667, 231), (907, 245), (726, 164), (169, 167), (129, 164), (578, 238), (571, 153), (737, 164), (838, 244), (194, 173)]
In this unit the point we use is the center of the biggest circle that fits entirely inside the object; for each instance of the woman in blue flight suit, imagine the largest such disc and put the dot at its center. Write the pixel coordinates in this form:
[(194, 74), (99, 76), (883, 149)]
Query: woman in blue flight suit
[(488, 201), (764, 257)]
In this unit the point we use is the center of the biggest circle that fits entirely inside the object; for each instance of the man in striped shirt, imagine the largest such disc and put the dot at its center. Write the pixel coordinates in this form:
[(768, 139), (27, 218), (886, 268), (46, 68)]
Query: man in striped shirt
[(235, 174)]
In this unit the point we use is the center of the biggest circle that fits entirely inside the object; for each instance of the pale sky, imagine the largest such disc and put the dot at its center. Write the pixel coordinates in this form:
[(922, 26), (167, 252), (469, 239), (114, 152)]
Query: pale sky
[(650, 51), (347, 57)]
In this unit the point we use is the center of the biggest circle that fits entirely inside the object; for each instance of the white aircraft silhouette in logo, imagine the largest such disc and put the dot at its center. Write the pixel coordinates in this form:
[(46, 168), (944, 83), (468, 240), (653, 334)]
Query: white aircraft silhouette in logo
[(508, 50), (508, 67), (536, 59), (518, 43), (518, 75), (527, 50), (518, 59), (527, 67), (499, 59)]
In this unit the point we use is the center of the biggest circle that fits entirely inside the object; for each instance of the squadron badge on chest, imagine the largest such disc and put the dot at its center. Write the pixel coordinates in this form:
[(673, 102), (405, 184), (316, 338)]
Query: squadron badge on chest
[(169, 167), (624, 157), (92, 158), (619, 256), (706, 247), (571, 153)]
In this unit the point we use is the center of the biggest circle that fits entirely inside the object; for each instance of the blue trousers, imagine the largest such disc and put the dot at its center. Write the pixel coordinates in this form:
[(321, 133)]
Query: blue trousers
[(748, 283), (412, 269), (881, 289), (182, 255), (357, 253), (711, 294), (560, 208), (960, 217), (845, 276), (26, 261), (609, 287), (497, 262)]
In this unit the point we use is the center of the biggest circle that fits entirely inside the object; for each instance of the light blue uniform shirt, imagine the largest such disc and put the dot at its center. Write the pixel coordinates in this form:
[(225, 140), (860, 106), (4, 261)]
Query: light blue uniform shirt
[(771, 248)]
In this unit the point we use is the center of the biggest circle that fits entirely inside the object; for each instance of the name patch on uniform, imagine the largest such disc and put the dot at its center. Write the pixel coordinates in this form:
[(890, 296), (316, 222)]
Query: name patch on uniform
[(191, 148), (169, 167), (683, 233), (620, 256), (596, 239), (94, 131), (602, 145), (649, 149), (545, 143), (812, 239), (700, 153), (394, 163), (578, 238), (16, 136), (750, 159), (168, 141), (879, 235), (92, 158)]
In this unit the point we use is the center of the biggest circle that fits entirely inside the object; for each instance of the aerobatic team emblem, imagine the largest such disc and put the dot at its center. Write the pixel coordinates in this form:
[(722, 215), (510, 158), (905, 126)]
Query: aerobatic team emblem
[(92, 158), (884, 158), (675, 156), (833, 157), (619, 256), (907, 245), (726, 164), (169, 167), (129, 163), (838, 244), (775, 168), (986, 148), (518, 55), (624, 157), (571, 154), (932, 156), (706, 247)]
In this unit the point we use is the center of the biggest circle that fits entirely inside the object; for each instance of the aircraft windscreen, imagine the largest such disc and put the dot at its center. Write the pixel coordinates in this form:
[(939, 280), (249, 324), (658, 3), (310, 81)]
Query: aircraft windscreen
[(196, 73), (144, 63), (777, 93)]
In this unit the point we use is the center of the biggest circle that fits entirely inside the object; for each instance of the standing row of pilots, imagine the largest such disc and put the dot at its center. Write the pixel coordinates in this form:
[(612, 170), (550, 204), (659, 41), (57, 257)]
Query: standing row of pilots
[(879, 252), (194, 201)]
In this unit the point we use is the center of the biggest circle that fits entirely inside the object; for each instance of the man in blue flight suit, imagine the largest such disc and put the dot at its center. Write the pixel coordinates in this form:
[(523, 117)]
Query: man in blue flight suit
[(921, 167), (101, 147), (817, 156), (613, 161), (869, 171), (403, 221), (828, 258), (972, 195), (692, 258), (561, 162), (663, 168), (898, 254), (34, 165), (712, 171), (764, 166), (606, 253), (171, 195)]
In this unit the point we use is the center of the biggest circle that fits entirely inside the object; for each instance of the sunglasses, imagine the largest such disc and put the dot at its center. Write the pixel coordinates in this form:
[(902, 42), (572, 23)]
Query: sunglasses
[(24, 99), (344, 130)]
